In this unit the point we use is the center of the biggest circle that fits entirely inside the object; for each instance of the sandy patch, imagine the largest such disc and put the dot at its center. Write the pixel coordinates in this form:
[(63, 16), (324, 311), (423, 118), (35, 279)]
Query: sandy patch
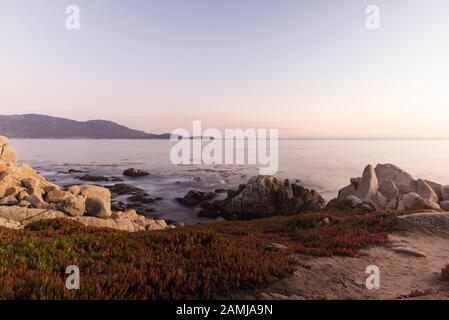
[(411, 261)]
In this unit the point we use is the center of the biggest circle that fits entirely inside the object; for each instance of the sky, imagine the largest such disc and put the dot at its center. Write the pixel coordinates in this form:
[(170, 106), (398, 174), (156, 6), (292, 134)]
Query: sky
[(308, 68)]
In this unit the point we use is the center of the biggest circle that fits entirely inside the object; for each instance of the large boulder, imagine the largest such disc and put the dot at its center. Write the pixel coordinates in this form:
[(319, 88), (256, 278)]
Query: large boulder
[(411, 201), (74, 205), (369, 184), (425, 191), (98, 201), (387, 187), (98, 207), (265, 196), (403, 181)]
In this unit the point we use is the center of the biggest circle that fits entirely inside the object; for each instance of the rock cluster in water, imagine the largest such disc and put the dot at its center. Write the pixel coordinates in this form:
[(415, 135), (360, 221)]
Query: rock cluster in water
[(264, 196), (387, 187), (26, 197)]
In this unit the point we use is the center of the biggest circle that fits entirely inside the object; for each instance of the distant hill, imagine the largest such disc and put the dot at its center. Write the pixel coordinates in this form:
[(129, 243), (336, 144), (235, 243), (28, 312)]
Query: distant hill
[(40, 127)]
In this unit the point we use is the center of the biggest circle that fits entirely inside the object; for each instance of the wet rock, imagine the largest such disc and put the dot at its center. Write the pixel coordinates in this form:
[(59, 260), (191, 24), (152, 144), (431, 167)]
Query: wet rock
[(195, 197), (264, 196), (133, 172), (90, 178), (124, 189), (141, 198)]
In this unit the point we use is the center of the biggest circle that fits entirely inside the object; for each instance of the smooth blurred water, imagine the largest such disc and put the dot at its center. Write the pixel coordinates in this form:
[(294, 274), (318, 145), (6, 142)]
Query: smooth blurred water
[(325, 165)]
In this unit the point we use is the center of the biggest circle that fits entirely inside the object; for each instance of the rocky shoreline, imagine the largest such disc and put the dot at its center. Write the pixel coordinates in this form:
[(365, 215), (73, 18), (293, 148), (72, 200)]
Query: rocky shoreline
[(27, 197)]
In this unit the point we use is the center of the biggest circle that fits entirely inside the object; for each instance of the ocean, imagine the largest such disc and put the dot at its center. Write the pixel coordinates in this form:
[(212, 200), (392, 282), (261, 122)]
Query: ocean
[(325, 165)]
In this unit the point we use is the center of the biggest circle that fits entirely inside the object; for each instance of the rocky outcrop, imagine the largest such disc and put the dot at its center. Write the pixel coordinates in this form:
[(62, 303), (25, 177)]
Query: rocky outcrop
[(26, 197), (7, 153), (387, 187), (264, 196), (195, 198), (133, 172)]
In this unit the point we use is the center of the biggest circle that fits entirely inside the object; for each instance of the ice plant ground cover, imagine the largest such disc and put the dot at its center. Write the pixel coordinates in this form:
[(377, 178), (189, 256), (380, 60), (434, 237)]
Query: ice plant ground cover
[(202, 261)]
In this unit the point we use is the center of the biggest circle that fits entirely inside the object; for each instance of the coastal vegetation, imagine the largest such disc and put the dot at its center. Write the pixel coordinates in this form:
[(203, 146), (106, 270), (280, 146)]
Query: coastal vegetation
[(202, 261)]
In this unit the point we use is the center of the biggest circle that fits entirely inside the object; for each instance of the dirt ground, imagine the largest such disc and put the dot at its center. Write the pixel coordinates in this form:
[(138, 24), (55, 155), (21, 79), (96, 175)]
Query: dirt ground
[(411, 261)]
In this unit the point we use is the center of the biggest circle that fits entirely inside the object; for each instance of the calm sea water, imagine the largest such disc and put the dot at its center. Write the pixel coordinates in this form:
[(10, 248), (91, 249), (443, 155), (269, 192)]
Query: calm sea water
[(325, 165)]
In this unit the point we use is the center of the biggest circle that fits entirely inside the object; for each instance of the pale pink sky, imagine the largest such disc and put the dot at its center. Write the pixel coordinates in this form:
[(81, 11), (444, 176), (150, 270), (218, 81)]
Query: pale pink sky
[(308, 68)]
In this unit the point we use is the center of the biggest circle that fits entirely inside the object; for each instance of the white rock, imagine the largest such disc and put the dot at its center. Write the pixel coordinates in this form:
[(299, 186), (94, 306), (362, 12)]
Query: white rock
[(388, 189), (425, 191), (403, 181), (411, 201), (368, 185), (438, 188)]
